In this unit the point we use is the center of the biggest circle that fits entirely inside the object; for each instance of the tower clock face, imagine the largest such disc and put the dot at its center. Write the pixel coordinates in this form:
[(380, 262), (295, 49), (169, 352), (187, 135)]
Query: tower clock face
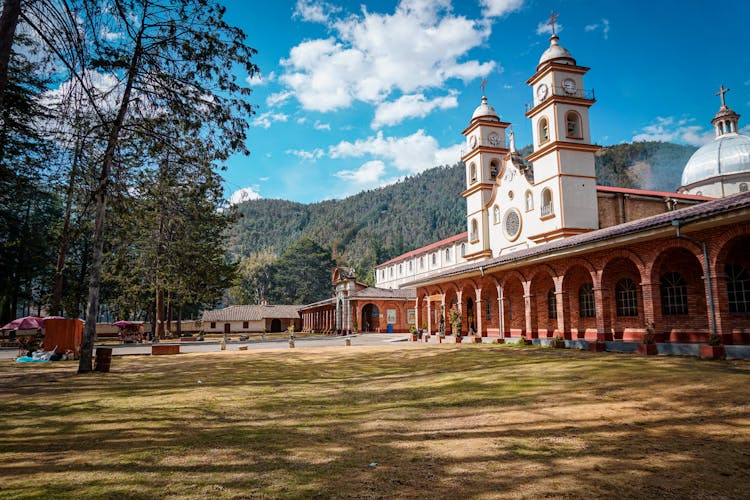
[(569, 85), (473, 141), (541, 92), (494, 139)]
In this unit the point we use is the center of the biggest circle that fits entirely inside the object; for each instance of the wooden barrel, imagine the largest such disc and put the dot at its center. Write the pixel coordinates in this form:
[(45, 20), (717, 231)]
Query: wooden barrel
[(103, 359)]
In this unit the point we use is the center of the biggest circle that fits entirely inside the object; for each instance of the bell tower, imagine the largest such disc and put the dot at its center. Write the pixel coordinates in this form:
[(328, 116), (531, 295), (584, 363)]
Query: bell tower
[(563, 157), (485, 140)]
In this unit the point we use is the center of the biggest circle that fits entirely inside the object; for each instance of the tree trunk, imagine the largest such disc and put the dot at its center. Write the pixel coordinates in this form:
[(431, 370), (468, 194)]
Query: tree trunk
[(159, 312), (89, 332), (62, 248), (8, 23)]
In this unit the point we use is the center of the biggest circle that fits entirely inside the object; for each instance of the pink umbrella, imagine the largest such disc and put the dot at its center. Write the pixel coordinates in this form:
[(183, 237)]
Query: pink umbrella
[(25, 323), (123, 323)]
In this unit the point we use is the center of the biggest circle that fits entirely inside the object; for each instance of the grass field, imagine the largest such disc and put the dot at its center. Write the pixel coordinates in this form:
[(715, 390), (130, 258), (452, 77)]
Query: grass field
[(440, 421)]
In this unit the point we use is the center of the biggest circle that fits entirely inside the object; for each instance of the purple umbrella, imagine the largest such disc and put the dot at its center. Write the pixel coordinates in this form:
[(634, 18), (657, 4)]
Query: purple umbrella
[(25, 323), (123, 323)]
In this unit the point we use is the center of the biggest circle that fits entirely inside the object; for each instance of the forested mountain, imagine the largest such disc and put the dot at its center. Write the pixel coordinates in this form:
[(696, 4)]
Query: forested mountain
[(376, 225)]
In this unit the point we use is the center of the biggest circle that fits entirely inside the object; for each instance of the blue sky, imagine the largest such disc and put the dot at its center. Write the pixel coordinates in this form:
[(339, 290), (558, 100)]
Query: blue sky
[(355, 95)]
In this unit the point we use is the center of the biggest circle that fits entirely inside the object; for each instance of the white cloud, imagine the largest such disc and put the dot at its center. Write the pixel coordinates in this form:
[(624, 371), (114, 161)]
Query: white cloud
[(498, 8), (410, 106), (244, 194), (321, 126), (257, 79), (604, 26), (314, 11), (413, 153), (306, 155), (369, 173), (301, 120), (544, 27), (266, 119), (671, 130), (277, 98), (371, 55), (264, 179)]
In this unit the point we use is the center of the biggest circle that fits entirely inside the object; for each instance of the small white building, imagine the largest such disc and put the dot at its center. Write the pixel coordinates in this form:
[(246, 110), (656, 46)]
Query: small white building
[(251, 318)]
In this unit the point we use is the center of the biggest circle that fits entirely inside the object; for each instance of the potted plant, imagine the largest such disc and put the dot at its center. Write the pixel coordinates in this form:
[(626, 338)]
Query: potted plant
[(714, 349), (558, 342), (414, 333), (524, 340), (455, 318), (647, 347)]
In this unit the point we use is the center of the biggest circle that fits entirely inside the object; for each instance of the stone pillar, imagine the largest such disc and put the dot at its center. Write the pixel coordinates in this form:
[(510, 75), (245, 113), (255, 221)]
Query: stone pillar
[(416, 313), (531, 332), (479, 312), (501, 311), (429, 316)]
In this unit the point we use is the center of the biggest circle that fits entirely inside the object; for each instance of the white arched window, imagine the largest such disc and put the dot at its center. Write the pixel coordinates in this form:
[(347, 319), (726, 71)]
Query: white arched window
[(474, 231), (472, 173), (447, 254), (494, 169), (547, 207), (463, 249)]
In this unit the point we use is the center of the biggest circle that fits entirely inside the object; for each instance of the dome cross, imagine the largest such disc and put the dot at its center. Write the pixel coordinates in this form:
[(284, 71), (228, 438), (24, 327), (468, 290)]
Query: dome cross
[(721, 93)]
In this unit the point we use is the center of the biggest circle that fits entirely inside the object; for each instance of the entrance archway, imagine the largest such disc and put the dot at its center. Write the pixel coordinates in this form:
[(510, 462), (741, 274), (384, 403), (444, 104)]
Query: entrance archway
[(370, 318), (276, 325)]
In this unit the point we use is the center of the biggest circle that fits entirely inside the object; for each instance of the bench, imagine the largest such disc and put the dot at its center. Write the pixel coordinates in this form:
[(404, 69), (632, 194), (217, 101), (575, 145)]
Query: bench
[(162, 349)]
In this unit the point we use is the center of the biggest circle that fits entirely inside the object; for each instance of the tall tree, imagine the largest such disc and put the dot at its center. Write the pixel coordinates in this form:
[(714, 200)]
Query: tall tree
[(302, 274), (172, 58)]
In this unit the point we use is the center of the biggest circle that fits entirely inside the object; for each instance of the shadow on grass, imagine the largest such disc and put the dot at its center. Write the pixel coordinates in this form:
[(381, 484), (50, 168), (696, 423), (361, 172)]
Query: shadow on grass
[(445, 423)]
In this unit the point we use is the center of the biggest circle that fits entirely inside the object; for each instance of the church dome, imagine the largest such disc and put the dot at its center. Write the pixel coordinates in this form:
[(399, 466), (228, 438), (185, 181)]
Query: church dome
[(726, 154), (485, 111), (556, 53)]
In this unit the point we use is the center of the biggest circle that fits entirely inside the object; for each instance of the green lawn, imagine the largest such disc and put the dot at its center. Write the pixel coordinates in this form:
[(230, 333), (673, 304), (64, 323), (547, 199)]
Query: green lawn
[(440, 421)]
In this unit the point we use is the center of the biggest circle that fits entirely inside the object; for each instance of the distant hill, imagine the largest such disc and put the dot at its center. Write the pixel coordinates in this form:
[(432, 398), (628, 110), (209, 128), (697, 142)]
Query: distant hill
[(376, 225)]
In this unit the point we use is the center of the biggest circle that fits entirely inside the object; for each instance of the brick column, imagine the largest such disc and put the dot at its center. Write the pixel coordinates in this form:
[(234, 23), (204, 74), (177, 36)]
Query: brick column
[(562, 303), (601, 302), (651, 311)]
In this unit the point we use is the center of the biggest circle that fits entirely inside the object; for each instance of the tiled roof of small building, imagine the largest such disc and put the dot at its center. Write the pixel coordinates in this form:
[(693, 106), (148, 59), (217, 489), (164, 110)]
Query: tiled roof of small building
[(385, 293), (251, 313), (684, 216)]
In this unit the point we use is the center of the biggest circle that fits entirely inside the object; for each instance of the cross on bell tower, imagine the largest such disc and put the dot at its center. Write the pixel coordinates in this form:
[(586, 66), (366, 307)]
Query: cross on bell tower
[(552, 18), (726, 121)]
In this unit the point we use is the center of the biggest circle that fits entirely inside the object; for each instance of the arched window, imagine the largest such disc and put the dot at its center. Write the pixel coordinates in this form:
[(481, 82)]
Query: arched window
[(543, 131), (743, 187), (496, 214), (474, 232), (586, 304), (673, 294), (421, 262), (400, 269), (411, 266), (488, 309), (738, 288), (447, 255), (391, 273), (551, 304), (573, 125), (434, 259), (529, 201), (547, 207), (463, 249), (472, 173), (494, 169), (626, 297)]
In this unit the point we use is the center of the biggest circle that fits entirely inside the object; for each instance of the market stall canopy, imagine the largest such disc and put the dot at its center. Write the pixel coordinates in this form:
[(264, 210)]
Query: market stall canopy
[(25, 323)]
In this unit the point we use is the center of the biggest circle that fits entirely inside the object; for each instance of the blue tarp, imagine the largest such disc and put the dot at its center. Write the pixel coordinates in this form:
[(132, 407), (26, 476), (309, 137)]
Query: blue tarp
[(29, 359)]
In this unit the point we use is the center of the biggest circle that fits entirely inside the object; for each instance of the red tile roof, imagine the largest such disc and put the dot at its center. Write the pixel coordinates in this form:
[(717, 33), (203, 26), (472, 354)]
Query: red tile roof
[(251, 313), (426, 249), (645, 192)]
